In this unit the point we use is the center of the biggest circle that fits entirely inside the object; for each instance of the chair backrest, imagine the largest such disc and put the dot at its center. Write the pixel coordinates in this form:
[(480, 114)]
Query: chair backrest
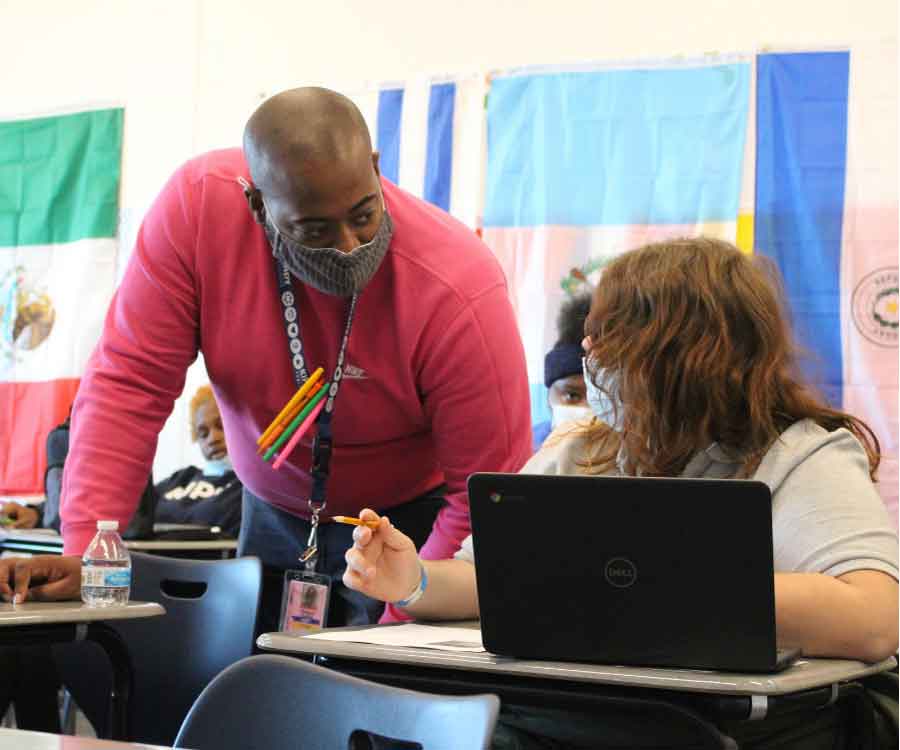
[(277, 702), (141, 524), (209, 624), (57, 450)]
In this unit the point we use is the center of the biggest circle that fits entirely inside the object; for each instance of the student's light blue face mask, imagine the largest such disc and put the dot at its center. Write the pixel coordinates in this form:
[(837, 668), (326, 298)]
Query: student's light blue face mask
[(603, 406), (217, 468)]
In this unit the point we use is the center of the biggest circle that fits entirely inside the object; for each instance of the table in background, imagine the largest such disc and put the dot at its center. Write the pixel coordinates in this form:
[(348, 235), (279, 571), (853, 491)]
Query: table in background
[(16, 739), (34, 623), (48, 542), (703, 695)]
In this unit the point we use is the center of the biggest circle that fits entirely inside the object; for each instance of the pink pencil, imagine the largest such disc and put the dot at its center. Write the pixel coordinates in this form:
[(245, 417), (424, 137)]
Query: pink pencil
[(295, 438)]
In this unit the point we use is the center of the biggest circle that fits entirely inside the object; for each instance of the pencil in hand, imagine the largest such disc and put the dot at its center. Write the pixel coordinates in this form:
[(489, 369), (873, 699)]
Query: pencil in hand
[(356, 521)]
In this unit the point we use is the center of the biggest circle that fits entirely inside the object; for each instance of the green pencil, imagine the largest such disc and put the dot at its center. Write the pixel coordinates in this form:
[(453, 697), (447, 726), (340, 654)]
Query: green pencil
[(298, 420)]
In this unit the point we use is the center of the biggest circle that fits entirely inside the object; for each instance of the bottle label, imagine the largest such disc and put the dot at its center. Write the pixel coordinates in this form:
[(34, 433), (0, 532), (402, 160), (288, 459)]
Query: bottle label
[(106, 577)]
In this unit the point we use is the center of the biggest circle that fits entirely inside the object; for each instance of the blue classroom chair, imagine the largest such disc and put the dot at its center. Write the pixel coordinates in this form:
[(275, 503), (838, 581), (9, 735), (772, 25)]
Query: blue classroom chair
[(281, 703), (211, 608)]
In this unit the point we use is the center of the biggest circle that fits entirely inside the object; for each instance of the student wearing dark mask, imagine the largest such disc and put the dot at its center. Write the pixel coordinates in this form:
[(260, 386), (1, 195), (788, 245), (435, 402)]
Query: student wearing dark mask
[(563, 374), (290, 254), (211, 495)]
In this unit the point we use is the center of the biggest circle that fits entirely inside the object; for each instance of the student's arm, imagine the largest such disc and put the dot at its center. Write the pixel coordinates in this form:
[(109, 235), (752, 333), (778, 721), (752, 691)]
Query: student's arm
[(853, 616), (835, 553), (383, 564), (451, 593)]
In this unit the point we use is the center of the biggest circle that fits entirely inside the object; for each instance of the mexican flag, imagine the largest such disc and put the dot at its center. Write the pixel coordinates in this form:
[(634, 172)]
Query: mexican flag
[(59, 204)]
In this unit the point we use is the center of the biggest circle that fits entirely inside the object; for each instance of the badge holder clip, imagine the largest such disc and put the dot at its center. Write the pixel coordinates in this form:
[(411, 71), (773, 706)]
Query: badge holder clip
[(304, 602)]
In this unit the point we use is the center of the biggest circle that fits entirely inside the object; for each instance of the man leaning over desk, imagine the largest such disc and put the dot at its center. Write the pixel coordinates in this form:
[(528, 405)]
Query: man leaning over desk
[(263, 258)]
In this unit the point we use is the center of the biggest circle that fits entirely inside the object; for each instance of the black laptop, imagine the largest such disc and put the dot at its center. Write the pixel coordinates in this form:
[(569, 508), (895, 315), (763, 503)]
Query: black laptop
[(629, 571)]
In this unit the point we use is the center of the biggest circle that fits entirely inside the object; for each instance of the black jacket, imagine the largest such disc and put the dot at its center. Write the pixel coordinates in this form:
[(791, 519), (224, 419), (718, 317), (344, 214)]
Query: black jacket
[(189, 496)]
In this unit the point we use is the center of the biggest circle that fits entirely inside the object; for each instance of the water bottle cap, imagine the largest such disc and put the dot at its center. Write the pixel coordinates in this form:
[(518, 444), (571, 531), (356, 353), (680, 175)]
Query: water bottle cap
[(107, 525)]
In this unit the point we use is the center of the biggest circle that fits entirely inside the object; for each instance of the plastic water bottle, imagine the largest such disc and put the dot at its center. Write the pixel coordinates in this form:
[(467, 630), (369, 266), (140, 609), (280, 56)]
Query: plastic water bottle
[(106, 568)]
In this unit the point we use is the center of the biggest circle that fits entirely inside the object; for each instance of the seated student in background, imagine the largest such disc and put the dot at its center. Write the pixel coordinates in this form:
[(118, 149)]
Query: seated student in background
[(691, 372), (209, 496), (563, 375)]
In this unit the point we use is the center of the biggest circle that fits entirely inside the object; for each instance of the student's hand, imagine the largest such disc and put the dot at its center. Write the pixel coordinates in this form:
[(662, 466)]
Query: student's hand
[(22, 516), (382, 563), (40, 578)]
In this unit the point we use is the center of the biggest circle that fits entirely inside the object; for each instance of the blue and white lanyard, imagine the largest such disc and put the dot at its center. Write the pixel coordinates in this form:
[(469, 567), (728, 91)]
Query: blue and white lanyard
[(322, 444)]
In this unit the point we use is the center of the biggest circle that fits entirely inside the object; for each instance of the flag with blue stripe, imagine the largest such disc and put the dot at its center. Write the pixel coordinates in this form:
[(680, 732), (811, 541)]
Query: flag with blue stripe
[(430, 137)]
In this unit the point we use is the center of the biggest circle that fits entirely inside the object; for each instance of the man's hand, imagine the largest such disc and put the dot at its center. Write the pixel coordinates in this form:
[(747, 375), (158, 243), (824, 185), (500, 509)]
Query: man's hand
[(22, 516), (382, 563), (40, 578)]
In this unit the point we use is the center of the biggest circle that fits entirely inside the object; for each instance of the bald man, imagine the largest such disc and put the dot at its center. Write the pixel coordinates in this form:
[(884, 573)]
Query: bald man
[(291, 254)]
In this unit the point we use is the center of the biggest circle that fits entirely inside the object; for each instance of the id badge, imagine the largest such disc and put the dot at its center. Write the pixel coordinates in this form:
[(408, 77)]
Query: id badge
[(304, 603)]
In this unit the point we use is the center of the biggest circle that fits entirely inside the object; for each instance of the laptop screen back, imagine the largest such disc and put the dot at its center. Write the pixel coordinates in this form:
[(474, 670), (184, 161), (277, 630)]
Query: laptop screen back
[(656, 572)]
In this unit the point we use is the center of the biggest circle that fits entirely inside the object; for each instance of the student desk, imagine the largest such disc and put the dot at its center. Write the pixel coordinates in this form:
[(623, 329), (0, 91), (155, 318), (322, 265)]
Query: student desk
[(31, 542), (690, 695), (48, 542), (63, 622), (16, 739)]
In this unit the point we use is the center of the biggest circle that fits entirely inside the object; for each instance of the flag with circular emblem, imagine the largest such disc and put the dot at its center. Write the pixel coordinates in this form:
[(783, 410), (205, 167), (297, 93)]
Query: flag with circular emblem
[(792, 155), (59, 201)]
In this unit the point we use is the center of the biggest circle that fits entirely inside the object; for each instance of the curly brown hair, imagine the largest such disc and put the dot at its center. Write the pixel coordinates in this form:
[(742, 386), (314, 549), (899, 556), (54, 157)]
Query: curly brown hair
[(690, 340)]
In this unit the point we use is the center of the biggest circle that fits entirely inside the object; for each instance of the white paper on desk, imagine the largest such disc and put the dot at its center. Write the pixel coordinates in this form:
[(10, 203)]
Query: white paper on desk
[(410, 634), (33, 532)]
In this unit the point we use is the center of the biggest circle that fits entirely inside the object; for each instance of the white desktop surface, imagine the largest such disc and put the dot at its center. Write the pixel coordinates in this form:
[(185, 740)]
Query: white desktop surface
[(16, 739), (50, 537), (804, 674), (174, 544), (51, 613), (44, 536)]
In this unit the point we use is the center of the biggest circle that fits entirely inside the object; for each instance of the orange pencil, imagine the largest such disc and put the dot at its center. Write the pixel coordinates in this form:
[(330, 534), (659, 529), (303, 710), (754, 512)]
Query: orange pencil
[(356, 521), (289, 417), (289, 406)]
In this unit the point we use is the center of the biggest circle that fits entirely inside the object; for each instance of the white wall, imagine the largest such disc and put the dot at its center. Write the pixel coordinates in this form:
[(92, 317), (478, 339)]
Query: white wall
[(189, 72)]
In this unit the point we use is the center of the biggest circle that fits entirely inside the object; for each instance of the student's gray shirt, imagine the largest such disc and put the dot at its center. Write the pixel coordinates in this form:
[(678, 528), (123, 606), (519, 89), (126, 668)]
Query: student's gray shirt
[(826, 514)]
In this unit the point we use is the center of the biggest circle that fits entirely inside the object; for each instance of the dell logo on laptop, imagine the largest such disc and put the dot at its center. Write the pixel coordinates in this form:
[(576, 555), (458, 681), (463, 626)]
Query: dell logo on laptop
[(620, 572)]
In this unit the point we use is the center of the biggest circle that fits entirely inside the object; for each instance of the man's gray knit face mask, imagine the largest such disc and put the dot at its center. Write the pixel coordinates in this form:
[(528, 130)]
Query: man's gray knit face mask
[(328, 269)]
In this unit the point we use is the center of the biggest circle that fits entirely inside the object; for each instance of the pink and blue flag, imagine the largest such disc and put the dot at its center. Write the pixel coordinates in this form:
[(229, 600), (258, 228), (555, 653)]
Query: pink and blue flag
[(826, 212), (585, 163), (793, 156)]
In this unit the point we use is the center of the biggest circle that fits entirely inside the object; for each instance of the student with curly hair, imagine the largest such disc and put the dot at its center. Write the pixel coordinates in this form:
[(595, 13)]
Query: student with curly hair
[(692, 372)]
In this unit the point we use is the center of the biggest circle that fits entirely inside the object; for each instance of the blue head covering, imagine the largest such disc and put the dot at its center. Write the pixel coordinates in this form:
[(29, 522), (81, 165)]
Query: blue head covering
[(562, 360)]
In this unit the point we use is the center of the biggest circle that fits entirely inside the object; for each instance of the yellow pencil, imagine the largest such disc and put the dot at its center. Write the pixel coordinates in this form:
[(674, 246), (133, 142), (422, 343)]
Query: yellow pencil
[(356, 521), (301, 392)]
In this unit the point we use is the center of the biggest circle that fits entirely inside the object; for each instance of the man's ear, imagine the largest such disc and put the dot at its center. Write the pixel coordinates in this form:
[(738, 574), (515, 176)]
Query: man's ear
[(375, 156), (255, 204)]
